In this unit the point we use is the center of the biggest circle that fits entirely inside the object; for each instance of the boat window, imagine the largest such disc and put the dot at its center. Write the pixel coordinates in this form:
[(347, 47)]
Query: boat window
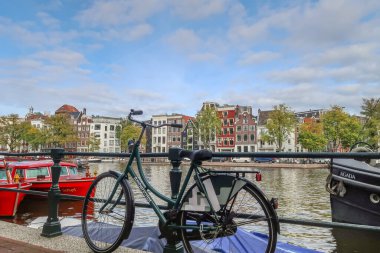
[(20, 172), (64, 171), (43, 171), (73, 171), (3, 175)]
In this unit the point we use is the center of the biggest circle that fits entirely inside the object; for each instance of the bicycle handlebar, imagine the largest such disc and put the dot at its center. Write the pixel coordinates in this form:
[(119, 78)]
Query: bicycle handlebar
[(139, 112)]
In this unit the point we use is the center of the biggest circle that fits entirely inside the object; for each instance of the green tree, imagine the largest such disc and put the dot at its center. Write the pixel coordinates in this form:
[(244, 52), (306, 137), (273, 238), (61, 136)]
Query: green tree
[(311, 136), (371, 127), (34, 137), (339, 128), (12, 131), (59, 131), (280, 124), (208, 124), (93, 143), (128, 131)]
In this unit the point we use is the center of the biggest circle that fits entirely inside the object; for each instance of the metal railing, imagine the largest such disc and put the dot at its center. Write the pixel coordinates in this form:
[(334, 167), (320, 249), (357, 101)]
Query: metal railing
[(52, 226)]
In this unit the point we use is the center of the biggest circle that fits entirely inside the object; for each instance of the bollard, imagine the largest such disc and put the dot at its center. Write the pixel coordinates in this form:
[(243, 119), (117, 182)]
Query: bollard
[(174, 245), (52, 226), (175, 173)]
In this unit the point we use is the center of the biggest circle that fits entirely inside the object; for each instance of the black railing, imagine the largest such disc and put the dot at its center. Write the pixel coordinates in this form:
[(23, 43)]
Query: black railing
[(52, 226)]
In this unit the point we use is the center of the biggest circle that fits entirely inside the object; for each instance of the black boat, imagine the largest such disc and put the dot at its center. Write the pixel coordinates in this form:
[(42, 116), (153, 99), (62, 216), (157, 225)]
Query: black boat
[(354, 188)]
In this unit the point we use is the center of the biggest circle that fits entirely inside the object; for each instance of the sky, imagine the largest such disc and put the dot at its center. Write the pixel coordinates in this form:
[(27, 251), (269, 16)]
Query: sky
[(170, 56)]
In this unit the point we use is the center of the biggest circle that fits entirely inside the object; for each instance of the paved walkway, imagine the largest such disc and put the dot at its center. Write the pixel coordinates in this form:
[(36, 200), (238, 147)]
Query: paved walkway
[(9, 245), (16, 238)]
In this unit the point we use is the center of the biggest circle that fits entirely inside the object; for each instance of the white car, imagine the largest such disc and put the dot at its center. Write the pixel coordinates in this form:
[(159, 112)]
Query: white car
[(241, 159)]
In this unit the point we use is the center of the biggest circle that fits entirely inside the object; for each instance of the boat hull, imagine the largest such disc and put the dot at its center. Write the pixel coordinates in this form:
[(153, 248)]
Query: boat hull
[(356, 197), (77, 187), (9, 200)]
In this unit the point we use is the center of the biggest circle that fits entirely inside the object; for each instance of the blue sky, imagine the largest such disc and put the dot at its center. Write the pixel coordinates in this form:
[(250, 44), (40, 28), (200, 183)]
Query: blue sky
[(165, 56)]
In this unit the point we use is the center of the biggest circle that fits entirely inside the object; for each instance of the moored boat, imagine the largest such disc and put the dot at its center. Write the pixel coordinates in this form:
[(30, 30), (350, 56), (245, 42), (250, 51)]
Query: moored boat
[(9, 200), (354, 188), (39, 174)]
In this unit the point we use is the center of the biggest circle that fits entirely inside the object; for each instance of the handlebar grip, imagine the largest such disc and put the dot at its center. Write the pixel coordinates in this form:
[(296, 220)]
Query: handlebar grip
[(176, 125), (136, 112)]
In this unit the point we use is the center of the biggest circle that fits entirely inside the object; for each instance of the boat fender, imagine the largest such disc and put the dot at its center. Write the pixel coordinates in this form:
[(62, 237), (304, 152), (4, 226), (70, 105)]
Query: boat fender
[(374, 198), (341, 189), (334, 187)]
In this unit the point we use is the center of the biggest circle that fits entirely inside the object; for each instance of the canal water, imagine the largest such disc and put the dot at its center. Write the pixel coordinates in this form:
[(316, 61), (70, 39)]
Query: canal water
[(301, 194)]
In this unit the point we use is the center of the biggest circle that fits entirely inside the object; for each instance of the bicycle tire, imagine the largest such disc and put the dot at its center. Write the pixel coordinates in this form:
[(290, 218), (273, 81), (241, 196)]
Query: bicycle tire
[(105, 231), (248, 200)]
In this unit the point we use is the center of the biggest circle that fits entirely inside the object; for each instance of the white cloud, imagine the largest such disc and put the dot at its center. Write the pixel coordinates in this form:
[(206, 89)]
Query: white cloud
[(258, 57), (48, 20), (198, 9), (114, 13), (184, 40)]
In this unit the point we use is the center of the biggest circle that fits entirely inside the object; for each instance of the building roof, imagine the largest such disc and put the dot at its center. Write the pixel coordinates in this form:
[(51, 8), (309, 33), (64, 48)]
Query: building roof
[(67, 109), (263, 117)]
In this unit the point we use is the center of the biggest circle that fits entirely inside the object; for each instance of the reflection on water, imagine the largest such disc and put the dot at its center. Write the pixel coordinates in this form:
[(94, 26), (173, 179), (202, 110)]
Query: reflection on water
[(300, 192)]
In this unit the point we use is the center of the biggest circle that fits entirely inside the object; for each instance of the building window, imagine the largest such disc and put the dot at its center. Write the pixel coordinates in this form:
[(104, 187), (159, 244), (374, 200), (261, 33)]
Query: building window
[(97, 127), (245, 137), (225, 122), (238, 128), (238, 148), (163, 140), (231, 142), (105, 128), (238, 138), (225, 142), (225, 131), (252, 137), (112, 128), (225, 114), (231, 130), (231, 122), (245, 148), (105, 136)]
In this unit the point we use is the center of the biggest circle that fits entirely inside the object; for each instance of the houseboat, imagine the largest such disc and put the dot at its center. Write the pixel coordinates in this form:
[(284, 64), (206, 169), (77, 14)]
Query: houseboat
[(354, 188), (39, 174)]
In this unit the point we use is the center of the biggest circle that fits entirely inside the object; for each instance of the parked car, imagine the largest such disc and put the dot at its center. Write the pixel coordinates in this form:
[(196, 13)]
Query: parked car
[(263, 160), (218, 159), (241, 159)]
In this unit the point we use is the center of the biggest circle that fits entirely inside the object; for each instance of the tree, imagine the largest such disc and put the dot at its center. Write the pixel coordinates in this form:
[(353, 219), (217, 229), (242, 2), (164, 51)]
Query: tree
[(93, 143), (127, 132), (311, 136), (12, 131), (208, 125), (59, 131), (371, 126), (34, 137), (280, 124), (339, 128)]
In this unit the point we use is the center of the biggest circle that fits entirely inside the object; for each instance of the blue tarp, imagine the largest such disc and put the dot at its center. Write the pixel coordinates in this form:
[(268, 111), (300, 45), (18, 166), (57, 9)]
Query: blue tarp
[(147, 238)]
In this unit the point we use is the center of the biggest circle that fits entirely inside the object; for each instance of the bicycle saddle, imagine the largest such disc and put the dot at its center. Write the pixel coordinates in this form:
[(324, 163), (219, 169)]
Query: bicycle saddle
[(196, 155)]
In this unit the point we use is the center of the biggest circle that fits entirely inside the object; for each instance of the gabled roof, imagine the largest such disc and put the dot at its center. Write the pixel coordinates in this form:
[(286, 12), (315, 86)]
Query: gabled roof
[(263, 117)]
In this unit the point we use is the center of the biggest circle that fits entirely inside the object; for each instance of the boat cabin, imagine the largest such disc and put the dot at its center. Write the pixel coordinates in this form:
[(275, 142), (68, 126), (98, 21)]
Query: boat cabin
[(41, 170)]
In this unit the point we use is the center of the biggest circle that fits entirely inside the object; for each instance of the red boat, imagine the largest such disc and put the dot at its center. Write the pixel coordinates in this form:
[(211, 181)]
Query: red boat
[(38, 173), (9, 201)]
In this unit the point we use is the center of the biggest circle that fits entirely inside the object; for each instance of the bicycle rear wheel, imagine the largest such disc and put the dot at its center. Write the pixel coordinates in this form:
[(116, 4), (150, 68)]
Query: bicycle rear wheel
[(246, 223), (105, 230)]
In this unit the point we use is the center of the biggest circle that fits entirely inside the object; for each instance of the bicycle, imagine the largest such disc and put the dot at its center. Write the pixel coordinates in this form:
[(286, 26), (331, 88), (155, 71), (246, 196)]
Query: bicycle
[(205, 217)]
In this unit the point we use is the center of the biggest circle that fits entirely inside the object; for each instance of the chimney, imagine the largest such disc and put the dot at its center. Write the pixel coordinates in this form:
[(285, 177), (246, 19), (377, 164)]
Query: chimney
[(84, 111)]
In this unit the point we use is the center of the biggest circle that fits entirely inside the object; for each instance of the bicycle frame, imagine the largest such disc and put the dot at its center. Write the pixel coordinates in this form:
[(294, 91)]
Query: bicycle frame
[(145, 186)]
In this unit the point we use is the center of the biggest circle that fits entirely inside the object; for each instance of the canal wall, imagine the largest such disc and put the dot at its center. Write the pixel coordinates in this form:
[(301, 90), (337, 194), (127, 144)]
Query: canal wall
[(31, 236)]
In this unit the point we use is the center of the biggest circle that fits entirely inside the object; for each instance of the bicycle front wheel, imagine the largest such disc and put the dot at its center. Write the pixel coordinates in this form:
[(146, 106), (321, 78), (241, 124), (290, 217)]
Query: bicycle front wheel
[(246, 223), (106, 226)]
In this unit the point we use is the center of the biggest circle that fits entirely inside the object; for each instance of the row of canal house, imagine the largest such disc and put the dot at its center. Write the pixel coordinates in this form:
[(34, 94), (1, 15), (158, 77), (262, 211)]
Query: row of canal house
[(240, 131)]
